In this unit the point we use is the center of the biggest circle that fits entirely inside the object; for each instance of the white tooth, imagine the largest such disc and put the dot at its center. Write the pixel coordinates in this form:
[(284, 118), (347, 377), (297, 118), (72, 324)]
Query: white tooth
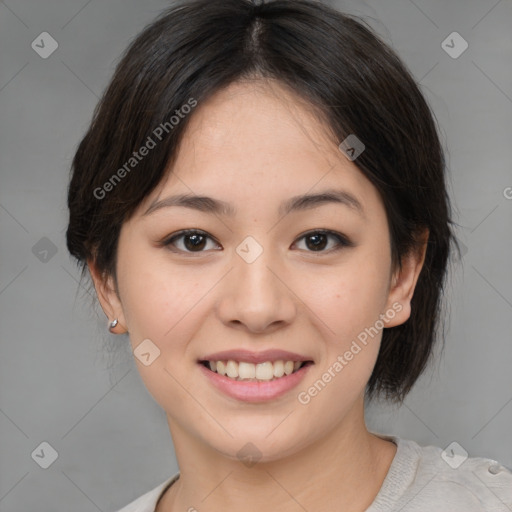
[(246, 370), (232, 369), (221, 368), (265, 371), (288, 367), (296, 365), (278, 368), (213, 366)]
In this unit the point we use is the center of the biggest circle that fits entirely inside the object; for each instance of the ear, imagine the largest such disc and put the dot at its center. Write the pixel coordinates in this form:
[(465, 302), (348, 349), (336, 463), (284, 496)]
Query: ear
[(403, 282), (108, 297)]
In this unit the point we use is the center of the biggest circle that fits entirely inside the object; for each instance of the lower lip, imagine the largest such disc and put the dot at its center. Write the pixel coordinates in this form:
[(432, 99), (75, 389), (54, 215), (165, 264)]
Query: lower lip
[(255, 391)]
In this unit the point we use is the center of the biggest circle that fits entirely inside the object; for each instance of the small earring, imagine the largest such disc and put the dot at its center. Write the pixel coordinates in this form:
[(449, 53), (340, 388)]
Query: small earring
[(112, 325)]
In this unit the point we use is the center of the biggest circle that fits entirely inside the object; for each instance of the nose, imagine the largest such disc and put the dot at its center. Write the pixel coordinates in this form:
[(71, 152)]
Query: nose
[(255, 296)]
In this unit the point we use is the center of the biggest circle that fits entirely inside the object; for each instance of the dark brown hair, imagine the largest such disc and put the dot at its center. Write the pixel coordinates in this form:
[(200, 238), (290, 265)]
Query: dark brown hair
[(341, 68)]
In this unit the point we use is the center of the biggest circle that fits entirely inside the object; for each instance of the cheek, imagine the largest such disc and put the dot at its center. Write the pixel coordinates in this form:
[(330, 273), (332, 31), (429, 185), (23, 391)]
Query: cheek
[(348, 306), (161, 304), (157, 298), (350, 298)]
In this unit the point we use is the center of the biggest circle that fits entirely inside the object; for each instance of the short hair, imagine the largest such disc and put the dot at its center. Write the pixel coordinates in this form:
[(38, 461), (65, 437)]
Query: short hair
[(344, 71)]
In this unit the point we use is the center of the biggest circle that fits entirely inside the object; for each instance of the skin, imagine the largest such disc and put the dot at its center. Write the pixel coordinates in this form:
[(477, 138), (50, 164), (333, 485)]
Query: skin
[(256, 144)]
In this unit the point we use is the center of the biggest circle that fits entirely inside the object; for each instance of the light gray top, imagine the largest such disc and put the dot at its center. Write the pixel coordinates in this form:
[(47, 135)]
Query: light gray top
[(420, 479)]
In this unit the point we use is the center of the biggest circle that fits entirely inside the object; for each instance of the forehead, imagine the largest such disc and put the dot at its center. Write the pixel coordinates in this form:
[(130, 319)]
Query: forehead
[(258, 140), (261, 114)]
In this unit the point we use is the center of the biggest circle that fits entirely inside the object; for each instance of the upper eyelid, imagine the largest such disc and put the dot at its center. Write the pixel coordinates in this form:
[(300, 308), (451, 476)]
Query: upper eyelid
[(341, 238), (176, 236), (185, 232)]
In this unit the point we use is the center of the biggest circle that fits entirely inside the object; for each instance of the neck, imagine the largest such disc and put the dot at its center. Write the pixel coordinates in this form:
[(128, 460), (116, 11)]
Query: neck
[(349, 462)]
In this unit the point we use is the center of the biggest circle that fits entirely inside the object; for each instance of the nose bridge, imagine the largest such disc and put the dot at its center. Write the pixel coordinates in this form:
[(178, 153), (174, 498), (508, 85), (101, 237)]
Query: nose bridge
[(252, 263), (255, 296)]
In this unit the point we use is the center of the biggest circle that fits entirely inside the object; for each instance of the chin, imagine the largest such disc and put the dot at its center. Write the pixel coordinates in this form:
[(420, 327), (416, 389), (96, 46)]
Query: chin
[(258, 448)]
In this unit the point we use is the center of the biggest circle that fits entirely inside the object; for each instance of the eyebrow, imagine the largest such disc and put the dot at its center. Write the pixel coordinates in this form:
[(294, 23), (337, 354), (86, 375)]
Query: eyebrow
[(297, 203)]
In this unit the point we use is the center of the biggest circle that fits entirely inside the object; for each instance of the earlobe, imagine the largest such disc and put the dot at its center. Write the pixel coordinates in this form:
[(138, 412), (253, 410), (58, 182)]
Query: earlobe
[(108, 298), (404, 280)]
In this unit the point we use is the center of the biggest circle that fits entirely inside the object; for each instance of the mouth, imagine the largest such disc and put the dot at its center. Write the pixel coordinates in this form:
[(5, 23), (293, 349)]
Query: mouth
[(254, 382), (249, 376), (243, 371)]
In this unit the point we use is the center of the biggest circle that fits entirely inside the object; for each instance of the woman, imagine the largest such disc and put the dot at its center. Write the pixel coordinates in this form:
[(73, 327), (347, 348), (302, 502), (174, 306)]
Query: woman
[(260, 201)]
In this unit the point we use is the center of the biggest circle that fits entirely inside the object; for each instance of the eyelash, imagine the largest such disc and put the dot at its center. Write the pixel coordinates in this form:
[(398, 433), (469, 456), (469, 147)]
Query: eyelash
[(342, 241)]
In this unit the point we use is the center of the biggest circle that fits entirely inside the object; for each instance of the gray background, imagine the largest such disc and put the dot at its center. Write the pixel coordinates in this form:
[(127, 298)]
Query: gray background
[(61, 381)]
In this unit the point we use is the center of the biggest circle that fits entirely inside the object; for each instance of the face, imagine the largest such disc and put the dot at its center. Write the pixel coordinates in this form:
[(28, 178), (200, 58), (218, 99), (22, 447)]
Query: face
[(266, 273)]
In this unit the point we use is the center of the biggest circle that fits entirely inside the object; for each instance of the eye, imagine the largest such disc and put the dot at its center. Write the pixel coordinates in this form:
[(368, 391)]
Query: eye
[(318, 240), (193, 241)]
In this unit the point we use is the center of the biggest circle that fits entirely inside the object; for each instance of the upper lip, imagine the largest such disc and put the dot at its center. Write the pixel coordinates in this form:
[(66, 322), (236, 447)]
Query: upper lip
[(255, 357)]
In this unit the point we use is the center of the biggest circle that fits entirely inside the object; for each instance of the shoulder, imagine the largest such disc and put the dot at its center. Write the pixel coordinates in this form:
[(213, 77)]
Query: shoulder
[(148, 501), (480, 481), (425, 478)]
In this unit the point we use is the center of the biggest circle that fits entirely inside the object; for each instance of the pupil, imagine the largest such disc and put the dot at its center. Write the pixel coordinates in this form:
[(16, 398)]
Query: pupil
[(319, 243), (198, 243)]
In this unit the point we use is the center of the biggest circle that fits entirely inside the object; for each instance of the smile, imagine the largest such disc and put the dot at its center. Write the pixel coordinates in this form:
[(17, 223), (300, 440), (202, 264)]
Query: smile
[(271, 380), (244, 371)]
